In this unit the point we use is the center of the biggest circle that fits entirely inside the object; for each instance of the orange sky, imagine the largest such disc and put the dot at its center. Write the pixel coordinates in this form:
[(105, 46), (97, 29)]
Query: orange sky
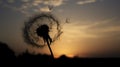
[(93, 29)]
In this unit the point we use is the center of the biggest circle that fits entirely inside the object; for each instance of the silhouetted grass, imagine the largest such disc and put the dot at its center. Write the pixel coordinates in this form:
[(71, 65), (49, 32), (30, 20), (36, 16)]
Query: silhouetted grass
[(7, 56)]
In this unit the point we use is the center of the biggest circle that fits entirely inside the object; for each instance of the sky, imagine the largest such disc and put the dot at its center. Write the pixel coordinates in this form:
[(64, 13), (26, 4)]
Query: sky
[(93, 29)]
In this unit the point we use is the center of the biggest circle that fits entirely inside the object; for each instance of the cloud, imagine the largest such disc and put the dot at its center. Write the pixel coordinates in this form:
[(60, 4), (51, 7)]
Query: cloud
[(45, 9), (25, 0), (36, 5), (53, 2), (48, 2), (108, 30), (21, 9), (27, 6), (11, 1), (98, 29), (103, 28), (111, 29), (37, 2), (101, 23), (85, 2), (48, 5)]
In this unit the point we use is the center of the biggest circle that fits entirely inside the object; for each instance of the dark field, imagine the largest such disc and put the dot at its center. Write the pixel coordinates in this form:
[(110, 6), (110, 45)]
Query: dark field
[(7, 57)]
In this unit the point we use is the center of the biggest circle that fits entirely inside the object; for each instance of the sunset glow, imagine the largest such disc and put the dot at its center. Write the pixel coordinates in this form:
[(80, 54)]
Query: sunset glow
[(91, 28)]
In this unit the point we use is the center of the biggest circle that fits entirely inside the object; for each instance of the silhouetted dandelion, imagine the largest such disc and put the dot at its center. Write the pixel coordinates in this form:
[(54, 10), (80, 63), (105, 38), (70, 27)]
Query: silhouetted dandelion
[(42, 30)]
